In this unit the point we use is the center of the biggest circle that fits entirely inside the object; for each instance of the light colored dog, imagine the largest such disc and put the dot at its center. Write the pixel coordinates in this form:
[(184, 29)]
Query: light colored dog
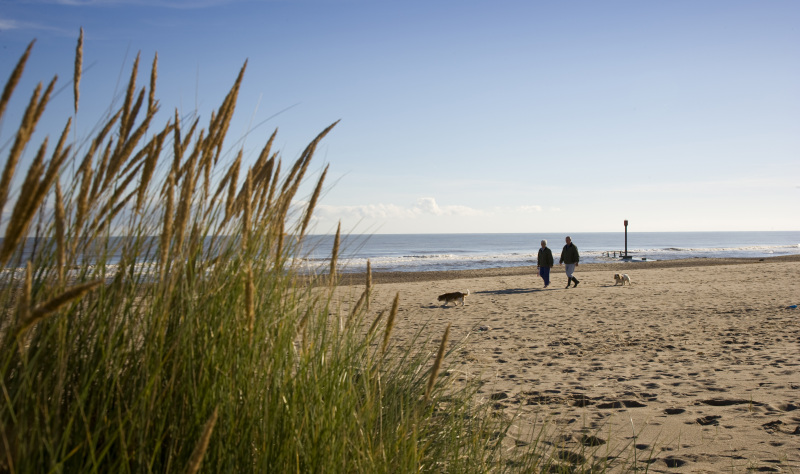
[(621, 278), (455, 297)]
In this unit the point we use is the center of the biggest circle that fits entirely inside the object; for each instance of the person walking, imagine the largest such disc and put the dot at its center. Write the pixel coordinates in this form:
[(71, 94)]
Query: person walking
[(570, 258), (544, 262)]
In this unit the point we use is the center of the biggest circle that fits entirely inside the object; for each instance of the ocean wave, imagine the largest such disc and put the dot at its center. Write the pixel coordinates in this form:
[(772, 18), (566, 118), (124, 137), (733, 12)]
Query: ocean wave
[(449, 261)]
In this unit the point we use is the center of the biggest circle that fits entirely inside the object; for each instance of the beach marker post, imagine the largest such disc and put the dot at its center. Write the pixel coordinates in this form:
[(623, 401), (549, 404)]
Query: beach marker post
[(626, 257)]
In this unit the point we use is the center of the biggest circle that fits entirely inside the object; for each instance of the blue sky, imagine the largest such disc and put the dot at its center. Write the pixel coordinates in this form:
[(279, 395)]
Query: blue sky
[(470, 115)]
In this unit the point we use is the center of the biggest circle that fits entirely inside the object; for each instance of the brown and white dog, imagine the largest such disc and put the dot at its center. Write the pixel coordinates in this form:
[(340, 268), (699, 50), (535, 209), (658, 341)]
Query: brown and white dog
[(621, 278), (455, 297)]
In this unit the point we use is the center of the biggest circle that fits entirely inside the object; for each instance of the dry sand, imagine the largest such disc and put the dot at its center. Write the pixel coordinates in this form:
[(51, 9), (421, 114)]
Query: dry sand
[(693, 368)]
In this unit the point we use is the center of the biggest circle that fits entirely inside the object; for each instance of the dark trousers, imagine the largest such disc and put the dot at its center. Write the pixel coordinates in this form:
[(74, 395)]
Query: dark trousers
[(544, 272)]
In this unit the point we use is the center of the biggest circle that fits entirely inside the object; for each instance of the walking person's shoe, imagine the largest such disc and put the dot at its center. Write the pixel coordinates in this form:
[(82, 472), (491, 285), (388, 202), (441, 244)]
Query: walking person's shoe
[(576, 281)]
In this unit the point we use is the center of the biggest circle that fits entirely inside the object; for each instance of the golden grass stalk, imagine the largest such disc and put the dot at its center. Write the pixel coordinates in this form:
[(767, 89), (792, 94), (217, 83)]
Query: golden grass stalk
[(313, 202), (187, 139), (202, 444), (76, 80), (263, 165), (368, 284), (23, 135), (390, 323), (101, 135), (32, 114), (223, 184), (101, 170), (189, 165), (206, 166), (262, 170), (61, 141), (248, 190), (45, 99), (125, 123), (31, 182), (437, 364), (185, 201), (176, 144), (111, 203), (151, 98), (25, 207), (54, 304), (124, 149), (60, 225), (142, 154), (335, 252), (166, 231), (265, 180), (358, 306), (134, 112), (300, 166), (83, 195), (13, 80), (234, 182), (149, 168), (279, 244), (375, 322), (33, 191), (271, 194), (292, 182), (226, 113), (60, 155)]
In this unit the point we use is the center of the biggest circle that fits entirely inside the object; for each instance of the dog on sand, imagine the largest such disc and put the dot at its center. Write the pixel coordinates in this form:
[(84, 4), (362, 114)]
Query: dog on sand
[(455, 297), (621, 278)]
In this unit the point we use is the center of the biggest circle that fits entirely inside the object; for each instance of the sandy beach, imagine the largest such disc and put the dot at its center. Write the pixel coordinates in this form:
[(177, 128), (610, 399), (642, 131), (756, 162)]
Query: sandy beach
[(695, 367)]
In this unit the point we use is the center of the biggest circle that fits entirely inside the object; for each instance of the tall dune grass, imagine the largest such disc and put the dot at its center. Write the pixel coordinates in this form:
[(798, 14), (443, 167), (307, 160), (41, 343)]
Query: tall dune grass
[(201, 348), (191, 343)]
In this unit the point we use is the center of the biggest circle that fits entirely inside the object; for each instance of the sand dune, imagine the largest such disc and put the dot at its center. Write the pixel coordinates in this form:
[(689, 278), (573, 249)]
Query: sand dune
[(693, 368)]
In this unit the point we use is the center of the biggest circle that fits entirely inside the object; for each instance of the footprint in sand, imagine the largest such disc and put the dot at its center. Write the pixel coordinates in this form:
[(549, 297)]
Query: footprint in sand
[(708, 420)]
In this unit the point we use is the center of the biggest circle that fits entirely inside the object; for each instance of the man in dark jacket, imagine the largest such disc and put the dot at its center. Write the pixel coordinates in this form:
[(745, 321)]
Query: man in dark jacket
[(570, 258), (544, 262)]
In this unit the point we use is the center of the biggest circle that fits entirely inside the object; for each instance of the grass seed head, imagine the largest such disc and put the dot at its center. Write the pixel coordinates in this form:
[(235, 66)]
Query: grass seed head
[(390, 323), (76, 79)]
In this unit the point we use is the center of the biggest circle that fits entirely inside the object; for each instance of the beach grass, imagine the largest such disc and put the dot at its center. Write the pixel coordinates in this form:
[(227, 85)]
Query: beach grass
[(192, 343), (154, 320)]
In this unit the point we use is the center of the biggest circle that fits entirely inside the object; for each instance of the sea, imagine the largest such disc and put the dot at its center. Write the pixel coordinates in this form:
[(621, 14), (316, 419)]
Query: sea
[(442, 252)]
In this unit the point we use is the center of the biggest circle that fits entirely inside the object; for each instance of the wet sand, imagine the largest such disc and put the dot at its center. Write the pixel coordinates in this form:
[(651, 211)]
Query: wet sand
[(695, 367)]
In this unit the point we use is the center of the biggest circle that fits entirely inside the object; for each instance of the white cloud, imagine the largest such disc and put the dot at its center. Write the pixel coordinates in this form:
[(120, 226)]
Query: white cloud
[(423, 206), (9, 24), (368, 211), (428, 205), (529, 209)]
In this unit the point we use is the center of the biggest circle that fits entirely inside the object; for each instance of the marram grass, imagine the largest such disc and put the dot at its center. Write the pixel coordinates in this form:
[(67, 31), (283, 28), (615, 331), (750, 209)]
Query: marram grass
[(191, 344)]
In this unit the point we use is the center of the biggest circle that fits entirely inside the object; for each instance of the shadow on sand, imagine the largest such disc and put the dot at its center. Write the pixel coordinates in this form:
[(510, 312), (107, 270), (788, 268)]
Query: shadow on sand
[(513, 291)]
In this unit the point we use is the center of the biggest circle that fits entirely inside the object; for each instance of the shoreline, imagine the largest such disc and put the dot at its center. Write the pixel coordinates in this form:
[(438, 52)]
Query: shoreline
[(383, 277)]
